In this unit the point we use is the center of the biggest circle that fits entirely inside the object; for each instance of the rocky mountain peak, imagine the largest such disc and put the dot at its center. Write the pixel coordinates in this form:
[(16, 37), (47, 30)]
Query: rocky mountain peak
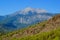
[(29, 9)]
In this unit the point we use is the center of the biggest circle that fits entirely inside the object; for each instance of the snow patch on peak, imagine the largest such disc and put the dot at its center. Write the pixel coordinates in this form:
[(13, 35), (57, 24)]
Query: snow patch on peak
[(26, 10), (40, 11), (34, 10)]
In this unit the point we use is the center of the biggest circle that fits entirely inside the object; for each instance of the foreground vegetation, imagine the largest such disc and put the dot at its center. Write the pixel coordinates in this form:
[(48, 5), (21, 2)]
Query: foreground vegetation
[(51, 35)]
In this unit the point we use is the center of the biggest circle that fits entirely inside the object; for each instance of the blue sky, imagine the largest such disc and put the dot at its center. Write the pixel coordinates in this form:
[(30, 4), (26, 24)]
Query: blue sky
[(11, 6)]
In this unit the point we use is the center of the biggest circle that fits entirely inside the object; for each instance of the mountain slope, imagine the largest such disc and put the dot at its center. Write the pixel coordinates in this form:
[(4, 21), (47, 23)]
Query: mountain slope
[(24, 18), (52, 26), (51, 35)]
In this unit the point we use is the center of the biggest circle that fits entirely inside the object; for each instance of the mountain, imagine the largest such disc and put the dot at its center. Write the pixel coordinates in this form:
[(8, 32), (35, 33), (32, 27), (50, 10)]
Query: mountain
[(1, 18), (47, 30), (24, 18)]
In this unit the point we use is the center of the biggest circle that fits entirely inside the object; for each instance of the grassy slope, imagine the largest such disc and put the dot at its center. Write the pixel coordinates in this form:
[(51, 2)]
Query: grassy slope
[(51, 35)]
